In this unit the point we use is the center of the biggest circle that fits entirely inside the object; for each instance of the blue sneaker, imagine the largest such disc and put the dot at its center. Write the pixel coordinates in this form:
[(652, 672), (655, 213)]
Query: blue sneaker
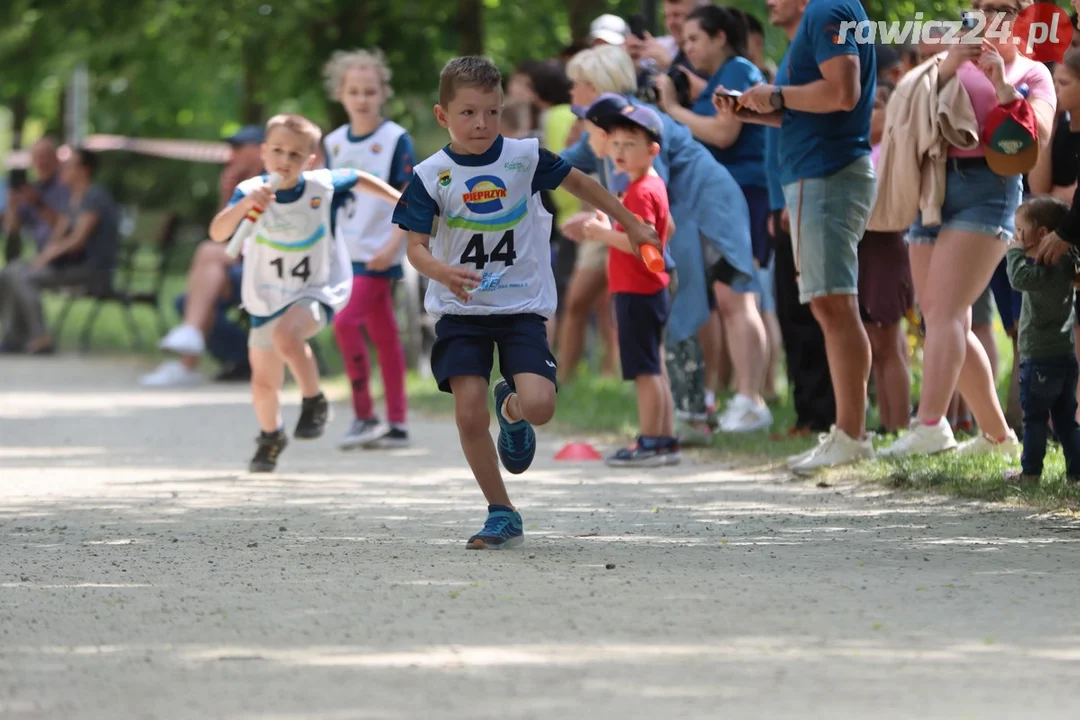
[(517, 441), (501, 530)]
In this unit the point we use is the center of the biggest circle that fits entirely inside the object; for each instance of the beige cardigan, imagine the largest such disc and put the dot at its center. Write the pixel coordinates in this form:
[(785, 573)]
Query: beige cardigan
[(921, 122)]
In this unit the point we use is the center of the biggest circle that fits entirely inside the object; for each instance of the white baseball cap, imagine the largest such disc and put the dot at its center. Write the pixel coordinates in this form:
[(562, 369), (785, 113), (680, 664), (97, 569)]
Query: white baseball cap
[(611, 29)]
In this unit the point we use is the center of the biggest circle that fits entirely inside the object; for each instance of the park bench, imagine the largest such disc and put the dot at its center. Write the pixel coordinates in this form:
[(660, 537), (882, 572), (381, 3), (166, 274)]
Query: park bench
[(138, 281)]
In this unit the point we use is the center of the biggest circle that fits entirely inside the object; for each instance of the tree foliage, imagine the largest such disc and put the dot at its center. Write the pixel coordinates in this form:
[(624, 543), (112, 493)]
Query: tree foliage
[(199, 68)]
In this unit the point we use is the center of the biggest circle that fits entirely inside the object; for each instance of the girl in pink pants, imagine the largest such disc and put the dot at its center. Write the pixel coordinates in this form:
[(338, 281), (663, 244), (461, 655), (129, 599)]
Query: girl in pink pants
[(360, 81)]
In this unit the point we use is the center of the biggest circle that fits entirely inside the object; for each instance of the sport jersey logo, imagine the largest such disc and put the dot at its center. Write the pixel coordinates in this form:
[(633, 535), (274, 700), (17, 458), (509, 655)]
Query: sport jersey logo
[(444, 178), (376, 149), (485, 195), (316, 202)]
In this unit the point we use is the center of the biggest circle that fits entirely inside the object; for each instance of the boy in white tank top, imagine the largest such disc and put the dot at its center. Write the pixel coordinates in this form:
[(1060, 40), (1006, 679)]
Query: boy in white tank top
[(296, 275), (492, 284)]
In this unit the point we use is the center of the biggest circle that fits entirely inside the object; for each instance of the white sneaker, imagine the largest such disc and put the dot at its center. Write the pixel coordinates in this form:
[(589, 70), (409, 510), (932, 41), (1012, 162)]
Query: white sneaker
[(798, 459), (184, 340), (922, 439), (747, 417), (171, 373), (983, 444), (837, 448)]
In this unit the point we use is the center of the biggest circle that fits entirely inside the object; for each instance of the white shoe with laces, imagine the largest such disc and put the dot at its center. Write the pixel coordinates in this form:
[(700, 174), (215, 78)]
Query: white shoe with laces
[(746, 416), (983, 444), (184, 340), (922, 439), (836, 448), (172, 373)]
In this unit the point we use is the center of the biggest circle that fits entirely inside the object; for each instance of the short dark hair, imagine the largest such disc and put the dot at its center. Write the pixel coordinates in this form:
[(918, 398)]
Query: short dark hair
[(713, 20), (1044, 211), (464, 72), (87, 159), (621, 123), (550, 83)]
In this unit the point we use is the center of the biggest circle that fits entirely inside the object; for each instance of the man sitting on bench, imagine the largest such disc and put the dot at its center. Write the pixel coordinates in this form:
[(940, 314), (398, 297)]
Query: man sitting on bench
[(81, 252)]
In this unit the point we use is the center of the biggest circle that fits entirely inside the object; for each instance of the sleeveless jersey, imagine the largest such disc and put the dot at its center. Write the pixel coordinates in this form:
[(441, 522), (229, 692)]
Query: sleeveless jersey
[(363, 221), (292, 253), (490, 221)]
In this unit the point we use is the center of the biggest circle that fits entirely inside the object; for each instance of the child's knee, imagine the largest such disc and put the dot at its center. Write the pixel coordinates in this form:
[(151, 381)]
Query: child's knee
[(538, 404), (472, 418), (286, 340)]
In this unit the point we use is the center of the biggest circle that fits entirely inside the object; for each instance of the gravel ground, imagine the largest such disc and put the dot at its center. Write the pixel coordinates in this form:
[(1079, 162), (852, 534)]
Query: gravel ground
[(142, 575)]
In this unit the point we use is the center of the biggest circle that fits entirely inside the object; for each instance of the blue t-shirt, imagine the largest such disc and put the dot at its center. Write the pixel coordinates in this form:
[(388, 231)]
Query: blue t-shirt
[(416, 211), (745, 160), (772, 153), (814, 145)]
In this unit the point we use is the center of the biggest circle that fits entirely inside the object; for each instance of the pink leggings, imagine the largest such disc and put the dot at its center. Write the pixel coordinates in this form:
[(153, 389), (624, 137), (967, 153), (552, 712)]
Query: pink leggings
[(371, 311)]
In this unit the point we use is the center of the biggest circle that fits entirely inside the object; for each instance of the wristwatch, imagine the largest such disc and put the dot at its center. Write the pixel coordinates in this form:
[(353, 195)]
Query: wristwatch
[(777, 98)]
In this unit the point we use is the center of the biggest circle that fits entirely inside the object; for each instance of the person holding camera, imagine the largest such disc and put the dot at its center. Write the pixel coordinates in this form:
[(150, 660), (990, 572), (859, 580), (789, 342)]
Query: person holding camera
[(714, 40)]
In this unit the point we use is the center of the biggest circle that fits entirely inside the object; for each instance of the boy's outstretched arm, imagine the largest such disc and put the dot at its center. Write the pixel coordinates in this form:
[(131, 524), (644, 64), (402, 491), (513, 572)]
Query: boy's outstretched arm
[(588, 190), (346, 179)]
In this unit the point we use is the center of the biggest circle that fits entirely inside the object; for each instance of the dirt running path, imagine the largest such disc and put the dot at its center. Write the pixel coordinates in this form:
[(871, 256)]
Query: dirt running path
[(141, 576)]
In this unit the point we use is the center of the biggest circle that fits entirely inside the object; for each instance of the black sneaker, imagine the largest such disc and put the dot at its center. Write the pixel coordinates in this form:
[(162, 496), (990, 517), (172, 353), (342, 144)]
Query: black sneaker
[(314, 414), (390, 439), (270, 446)]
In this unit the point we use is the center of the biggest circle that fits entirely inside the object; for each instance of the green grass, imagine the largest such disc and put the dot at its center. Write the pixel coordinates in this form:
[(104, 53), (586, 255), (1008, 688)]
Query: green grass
[(970, 477), (603, 410)]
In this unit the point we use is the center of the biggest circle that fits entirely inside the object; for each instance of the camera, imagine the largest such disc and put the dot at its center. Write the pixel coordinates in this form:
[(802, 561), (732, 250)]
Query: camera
[(647, 91)]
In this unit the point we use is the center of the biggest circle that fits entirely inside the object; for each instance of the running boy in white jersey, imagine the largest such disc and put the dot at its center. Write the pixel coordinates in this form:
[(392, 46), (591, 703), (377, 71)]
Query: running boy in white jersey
[(296, 275), (490, 266), (360, 81)]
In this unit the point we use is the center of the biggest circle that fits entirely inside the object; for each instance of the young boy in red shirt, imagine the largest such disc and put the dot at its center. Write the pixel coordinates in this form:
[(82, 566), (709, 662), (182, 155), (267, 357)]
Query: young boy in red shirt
[(640, 296)]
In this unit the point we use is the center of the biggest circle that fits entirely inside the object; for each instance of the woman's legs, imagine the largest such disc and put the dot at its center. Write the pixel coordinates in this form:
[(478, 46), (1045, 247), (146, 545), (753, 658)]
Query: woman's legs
[(745, 335), (891, 375), (952, 356)]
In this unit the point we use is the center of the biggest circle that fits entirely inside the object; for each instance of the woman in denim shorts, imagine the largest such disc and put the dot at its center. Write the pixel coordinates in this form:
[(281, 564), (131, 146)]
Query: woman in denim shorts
[(952, 263)]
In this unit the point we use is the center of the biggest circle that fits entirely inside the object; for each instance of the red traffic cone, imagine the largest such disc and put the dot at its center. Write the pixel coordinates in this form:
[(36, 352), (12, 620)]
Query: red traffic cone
[(577, 451)]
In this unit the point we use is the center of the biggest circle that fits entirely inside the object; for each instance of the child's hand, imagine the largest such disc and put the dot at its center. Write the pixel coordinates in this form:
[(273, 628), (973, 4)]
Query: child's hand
[(599, 222), (260, 197), (383, 259), (574, 227), (458, 280), (641, 234)]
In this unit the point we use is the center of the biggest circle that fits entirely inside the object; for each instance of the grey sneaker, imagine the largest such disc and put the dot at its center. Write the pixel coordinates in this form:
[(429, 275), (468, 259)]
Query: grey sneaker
[(361, 432)]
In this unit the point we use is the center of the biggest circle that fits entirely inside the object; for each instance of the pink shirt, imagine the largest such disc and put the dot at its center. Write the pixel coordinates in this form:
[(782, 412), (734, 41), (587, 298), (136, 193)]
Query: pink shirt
[(875, 151), (983, 98)]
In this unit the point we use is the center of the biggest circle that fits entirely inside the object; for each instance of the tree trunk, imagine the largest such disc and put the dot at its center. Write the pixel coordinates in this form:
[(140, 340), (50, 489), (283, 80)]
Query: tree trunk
[(582, 13), (470, 27), (20, 111)]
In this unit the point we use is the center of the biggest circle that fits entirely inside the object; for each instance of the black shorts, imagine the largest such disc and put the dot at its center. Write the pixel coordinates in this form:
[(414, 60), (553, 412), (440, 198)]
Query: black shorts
[(465, 345), (641, 320)]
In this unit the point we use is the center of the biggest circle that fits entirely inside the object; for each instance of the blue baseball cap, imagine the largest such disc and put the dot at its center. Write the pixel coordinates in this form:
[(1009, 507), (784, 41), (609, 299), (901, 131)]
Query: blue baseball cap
[(611, 110), (247, 135)]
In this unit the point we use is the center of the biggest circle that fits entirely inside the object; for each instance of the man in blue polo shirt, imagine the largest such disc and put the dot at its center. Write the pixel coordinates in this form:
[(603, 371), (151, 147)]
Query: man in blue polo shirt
[(823, 109)]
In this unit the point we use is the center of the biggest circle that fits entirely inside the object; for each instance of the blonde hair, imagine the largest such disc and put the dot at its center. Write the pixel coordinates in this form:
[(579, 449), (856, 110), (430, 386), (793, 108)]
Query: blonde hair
[(297, 124), (607, 68), (342, 61)]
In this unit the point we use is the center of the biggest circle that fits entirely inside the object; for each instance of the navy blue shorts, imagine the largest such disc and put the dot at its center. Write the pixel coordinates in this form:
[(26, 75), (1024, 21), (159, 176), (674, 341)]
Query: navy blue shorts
[(465, 345), (757, 202), (640, 320)]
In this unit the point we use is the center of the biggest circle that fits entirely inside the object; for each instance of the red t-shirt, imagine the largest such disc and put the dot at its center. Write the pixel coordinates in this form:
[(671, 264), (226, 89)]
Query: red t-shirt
[(646, 198)]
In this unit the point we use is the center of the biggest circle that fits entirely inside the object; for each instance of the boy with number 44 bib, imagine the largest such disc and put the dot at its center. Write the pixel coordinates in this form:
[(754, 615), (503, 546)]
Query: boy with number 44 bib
[(296, 274), (492, 284)]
